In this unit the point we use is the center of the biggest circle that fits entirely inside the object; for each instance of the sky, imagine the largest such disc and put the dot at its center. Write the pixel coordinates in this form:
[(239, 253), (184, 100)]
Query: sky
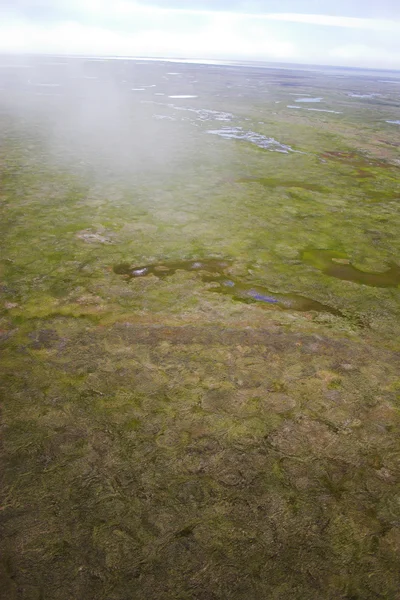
[(364, 33)]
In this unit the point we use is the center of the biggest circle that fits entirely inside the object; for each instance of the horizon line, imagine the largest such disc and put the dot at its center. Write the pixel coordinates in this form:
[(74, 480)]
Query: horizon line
[(199, 60)]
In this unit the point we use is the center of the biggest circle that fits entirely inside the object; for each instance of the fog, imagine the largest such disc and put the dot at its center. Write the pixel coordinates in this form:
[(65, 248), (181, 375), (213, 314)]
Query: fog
[(106, 116)]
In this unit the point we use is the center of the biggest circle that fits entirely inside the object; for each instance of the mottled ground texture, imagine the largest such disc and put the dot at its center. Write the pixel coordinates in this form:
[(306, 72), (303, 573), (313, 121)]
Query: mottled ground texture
[(199, 334)]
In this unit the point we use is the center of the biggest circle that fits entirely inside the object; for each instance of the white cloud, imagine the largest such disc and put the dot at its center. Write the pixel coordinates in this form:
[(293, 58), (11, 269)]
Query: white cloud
[(123, 9), (366, 55), (218, 39), (133, 29), (127, 9), (334, 21)]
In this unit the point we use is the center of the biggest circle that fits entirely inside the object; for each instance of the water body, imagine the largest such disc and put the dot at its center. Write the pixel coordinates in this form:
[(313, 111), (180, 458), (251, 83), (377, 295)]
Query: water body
[(266, 143), (250, 293), (169, 268), (363, 95), (308, 99), (205, 114), (214, 272), (164, 118), (336, 264), (336, 112)]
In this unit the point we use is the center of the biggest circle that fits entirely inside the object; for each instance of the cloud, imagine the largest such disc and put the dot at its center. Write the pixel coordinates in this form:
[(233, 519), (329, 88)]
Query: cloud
[(128, 9), (140, 28), (335, 21), (363, 54), (74, 38), (389, 9), (98, 10)]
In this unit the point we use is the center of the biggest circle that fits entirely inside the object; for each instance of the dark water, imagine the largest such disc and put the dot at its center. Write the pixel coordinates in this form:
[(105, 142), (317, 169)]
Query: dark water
[(214, 271), (169, 268), (335, 264)]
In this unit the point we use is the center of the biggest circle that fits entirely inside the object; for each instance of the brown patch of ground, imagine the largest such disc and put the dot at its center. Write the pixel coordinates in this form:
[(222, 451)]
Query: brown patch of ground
[(198, 462)]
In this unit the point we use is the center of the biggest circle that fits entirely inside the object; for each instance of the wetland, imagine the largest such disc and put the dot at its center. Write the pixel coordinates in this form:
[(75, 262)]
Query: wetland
[(199, 331)]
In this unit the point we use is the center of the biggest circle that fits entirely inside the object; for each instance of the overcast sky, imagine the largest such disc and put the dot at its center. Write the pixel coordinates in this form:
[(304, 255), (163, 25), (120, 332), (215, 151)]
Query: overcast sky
[(342, 32)]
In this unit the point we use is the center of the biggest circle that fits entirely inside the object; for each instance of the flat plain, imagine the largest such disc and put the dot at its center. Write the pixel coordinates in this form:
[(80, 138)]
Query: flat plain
[(199, 331)]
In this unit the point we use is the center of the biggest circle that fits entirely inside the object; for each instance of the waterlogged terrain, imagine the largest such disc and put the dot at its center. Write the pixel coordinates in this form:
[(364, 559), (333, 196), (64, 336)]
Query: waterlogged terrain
[(199, 331), (336, 264), (216, 272), (237, 133)]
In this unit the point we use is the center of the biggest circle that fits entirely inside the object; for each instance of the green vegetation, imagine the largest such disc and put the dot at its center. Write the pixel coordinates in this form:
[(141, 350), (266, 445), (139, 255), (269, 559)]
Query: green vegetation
[(336, 264), (161, 441)]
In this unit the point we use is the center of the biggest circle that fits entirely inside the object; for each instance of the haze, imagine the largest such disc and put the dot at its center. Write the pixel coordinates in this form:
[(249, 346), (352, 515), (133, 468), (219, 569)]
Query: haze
[(359, 33)]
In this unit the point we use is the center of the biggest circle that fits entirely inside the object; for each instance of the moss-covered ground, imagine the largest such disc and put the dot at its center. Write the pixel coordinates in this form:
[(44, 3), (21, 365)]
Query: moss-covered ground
[(160, 441)]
